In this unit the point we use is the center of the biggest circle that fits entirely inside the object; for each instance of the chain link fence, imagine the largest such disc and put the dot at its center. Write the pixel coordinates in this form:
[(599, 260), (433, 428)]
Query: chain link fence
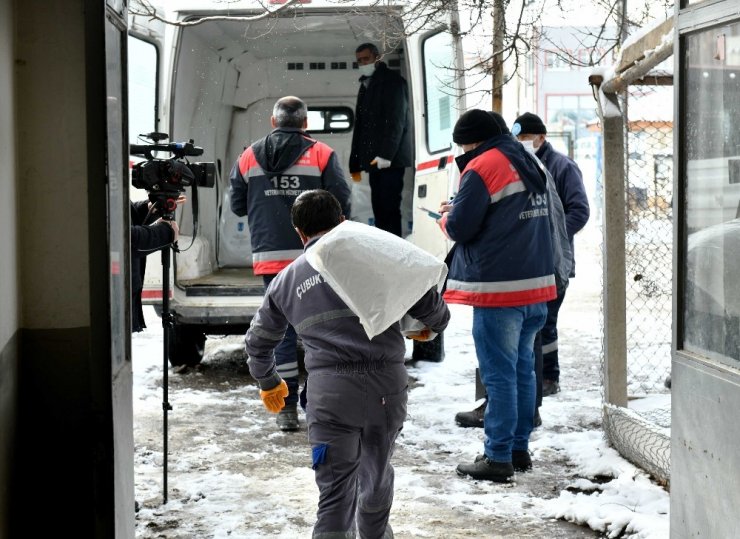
[(648, 122), (641, 432)]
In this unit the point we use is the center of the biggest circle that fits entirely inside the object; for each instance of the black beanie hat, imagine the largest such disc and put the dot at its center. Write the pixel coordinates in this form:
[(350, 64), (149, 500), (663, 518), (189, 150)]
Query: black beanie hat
[(476, 126), (500, 122), (528, 124)]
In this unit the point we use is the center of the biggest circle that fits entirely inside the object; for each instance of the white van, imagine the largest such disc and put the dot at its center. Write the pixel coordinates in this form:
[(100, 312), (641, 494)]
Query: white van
[(216, 82)]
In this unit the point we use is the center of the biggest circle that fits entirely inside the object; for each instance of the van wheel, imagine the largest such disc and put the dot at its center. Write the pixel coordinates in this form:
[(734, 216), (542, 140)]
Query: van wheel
[(186, 346), (433, 350)]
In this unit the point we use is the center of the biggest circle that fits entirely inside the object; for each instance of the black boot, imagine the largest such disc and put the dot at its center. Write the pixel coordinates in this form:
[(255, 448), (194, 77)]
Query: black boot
[(287, 419), (550, 387), (474, 418), (500, 472), (520, 460)]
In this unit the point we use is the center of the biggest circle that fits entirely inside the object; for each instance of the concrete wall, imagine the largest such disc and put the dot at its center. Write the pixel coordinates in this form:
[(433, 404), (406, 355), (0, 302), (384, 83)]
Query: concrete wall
[(55, 326), (54, 273)]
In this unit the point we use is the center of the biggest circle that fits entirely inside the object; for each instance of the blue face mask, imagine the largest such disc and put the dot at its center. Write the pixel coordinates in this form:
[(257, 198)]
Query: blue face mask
[(367, 70)]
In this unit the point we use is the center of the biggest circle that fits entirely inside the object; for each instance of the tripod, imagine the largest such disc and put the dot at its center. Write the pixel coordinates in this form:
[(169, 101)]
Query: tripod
[(168, 324), (165, 204)]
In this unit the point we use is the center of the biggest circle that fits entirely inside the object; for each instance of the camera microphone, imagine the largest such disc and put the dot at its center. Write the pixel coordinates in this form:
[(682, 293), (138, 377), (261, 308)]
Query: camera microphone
[(182, 149), (155, 136)]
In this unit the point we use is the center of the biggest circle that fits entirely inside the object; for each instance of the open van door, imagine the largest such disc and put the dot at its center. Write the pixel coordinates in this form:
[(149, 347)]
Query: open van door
[(222, 79), (145, 81), (438, 101), (438, 96)]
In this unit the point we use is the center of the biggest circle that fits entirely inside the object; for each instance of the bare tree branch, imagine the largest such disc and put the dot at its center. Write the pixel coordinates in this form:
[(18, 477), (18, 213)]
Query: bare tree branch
[(145, 8), (520, 36)]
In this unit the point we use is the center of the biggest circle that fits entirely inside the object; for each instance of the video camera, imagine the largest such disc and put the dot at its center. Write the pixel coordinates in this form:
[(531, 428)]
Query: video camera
[(166, 179)]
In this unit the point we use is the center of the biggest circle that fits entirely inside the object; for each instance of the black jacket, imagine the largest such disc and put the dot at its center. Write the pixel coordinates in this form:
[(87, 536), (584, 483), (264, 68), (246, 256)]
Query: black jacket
[(382, 122), (145, 239)]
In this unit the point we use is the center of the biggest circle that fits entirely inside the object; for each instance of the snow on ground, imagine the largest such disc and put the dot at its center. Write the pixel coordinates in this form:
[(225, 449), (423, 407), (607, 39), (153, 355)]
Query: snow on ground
[(232, 473)]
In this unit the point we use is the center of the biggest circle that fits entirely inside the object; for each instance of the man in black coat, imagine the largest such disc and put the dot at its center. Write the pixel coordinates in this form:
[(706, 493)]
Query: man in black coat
[(381, 141), (145, 239)]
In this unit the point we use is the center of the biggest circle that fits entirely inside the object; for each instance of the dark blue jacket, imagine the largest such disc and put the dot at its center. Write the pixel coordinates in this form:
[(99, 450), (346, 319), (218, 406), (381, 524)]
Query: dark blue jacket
[(500, 223), (569, 184), (266, 180)]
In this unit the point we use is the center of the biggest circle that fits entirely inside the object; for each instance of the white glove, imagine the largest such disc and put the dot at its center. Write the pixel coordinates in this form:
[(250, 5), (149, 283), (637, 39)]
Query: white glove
[(380, 162)]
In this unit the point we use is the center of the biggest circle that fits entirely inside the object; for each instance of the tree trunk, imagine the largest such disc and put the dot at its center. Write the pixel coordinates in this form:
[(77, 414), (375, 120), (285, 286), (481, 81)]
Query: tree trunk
[(499, 27)]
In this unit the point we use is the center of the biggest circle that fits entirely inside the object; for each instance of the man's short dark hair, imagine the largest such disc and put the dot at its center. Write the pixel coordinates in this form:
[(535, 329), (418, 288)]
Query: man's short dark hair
[(369, 46), (316, 211), (290, 111)]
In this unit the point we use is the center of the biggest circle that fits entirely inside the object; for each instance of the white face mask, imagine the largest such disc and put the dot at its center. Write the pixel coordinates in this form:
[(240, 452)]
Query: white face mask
[(367, 70), (528, 145)]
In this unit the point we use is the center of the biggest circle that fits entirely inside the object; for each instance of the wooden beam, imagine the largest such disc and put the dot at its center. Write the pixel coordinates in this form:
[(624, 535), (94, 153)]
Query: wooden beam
[(635, 52)]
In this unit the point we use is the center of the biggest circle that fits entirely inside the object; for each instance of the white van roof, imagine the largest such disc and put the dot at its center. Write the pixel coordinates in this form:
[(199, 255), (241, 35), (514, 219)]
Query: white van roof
[(345, 26), (245, 6)]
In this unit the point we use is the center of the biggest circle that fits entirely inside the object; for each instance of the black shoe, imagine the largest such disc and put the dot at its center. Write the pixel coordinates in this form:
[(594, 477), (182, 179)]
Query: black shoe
[(484, 468), (667, 382), (521, 460), (287, 419), (472, 419), (550, 387)]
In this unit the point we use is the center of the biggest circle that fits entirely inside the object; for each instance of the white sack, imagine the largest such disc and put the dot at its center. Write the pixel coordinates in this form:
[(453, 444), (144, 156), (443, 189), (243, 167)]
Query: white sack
[(377, 274)]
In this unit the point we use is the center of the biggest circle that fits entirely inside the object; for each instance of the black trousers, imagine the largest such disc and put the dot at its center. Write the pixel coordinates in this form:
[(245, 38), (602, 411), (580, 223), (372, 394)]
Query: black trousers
[(386, 187), (551, 362), (538, 364)]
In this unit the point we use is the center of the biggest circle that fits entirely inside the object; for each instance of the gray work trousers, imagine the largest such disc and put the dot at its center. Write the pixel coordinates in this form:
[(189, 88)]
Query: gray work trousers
[(353, 421)]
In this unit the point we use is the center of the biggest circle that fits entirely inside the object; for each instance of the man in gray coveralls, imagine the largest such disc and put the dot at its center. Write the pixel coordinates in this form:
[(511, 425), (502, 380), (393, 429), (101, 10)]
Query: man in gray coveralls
[(356, 389)]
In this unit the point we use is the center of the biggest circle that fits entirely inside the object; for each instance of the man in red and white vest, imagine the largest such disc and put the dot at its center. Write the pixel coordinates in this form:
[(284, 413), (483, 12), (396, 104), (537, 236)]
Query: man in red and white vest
[(265, 181)]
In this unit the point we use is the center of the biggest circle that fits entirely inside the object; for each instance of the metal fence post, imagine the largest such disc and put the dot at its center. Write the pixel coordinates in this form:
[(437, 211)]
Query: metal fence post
[(614, 228)]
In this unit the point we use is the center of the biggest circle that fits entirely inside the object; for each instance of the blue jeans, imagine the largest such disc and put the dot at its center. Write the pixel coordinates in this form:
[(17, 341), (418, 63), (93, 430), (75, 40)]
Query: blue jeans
[(286, 357), (504, 344)]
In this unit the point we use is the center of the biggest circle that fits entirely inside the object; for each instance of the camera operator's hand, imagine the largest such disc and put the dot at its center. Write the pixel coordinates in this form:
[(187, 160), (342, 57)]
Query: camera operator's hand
[(173, 226), (175, 229), (182, 199)]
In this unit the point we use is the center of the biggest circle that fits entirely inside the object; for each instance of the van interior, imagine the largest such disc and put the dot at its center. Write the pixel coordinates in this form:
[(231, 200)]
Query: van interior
[(227, 77), (224, 78)]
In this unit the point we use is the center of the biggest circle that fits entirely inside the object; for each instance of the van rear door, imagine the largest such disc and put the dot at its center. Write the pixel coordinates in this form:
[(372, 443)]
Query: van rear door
[(437, 103), (144, 61)]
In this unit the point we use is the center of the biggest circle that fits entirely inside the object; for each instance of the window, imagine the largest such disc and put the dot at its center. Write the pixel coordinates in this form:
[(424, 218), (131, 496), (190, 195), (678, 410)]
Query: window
[(330, 119), (556, 62), (439, 91), (570, 113), (711, 309), (142, 88)]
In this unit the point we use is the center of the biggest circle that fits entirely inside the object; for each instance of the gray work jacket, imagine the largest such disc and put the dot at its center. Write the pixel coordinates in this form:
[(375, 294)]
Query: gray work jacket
[(332, 336)]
